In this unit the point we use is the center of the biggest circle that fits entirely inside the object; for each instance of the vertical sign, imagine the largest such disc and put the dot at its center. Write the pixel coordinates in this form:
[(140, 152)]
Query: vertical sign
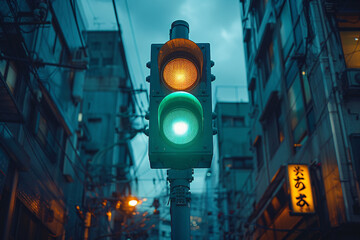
[(301, 196)]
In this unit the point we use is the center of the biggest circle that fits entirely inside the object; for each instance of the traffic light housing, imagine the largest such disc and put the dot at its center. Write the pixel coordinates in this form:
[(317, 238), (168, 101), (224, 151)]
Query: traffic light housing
[(180, 114)]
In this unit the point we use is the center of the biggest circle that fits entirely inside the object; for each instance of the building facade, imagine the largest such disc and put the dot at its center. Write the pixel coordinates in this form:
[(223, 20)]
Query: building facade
[(302, 62), (235, 166), (39, 162), (66, 114), (107, 115)]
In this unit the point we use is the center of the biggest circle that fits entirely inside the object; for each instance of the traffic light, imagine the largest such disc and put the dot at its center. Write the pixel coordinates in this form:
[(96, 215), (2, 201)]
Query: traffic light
[(180, 114)]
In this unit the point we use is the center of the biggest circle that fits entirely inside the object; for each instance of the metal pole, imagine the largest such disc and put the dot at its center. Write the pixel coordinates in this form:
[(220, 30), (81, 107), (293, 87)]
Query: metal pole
[(180, 202)]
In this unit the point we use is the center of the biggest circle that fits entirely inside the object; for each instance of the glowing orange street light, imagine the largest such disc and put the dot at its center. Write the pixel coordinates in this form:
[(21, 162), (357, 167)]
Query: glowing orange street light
[(108, 214), (132, 202)]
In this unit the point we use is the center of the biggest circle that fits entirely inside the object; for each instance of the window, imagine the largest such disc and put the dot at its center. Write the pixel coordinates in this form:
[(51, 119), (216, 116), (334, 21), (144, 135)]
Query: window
[(231, 121), (355, 147), (296, 21), (9, 73), (274, 129), (60, 49), (267, 61), (248, 44), (96, 45), (349, 30), (302, 120), (50, 136), (286, 27), (259, 152), (46, 135), (252, 91), (107, 61), (260, 7), (238, 163), (94, 62)]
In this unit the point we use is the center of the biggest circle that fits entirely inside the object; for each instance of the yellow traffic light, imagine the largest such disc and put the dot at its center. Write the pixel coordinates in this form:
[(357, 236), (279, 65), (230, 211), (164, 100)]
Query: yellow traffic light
[(180, 63), (180, 74)]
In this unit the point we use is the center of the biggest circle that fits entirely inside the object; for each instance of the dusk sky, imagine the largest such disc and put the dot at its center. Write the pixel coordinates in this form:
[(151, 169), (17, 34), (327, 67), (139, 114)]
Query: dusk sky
[(144, 22)]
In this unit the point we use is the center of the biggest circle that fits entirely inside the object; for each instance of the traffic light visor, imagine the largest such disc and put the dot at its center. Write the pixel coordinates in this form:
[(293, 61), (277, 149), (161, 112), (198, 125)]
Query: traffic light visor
[(180, 118), (180, 74)]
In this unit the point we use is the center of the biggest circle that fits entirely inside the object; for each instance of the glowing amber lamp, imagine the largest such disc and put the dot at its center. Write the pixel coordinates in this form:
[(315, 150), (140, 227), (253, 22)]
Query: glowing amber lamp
[(302, 201), (180, 74), (180, 63)]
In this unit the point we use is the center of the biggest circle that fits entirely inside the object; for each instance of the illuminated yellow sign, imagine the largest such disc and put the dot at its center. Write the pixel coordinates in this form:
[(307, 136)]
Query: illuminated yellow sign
[(300, 189)]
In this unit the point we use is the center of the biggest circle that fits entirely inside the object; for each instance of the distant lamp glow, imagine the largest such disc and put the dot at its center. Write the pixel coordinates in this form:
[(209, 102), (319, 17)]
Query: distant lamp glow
[(356, 39), (80, 117), (108, 213), (132, 203), (303, 73)]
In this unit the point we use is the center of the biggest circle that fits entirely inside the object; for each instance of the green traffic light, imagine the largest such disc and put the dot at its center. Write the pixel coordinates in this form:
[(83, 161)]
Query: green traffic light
[(180, 126), (180, 117)]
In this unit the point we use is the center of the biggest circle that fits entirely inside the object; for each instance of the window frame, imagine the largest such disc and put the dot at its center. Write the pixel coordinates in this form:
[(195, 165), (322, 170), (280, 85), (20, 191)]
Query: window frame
[(259, 151), (53, 140), (267, 60), (275, 129), (260, 5), (344, 27), (5, 75), (231, 120), (307, 118)]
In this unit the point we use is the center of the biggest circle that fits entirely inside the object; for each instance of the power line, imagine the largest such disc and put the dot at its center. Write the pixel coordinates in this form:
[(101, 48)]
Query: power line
[(135, 43), (72, 4), (136, 101), (117, 18)]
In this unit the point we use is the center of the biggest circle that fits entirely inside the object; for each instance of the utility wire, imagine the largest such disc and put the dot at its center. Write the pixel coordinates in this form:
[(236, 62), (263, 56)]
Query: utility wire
[(117, 18), (135, 43), (141, 109), (72, 4)]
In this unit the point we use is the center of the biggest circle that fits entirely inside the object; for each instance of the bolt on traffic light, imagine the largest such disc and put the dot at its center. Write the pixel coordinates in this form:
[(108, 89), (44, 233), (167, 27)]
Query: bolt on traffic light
[(180, 114)]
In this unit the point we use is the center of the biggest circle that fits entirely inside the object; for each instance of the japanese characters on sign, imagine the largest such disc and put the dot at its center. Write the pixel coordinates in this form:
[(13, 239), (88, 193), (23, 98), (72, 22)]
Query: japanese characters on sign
[(300, 189)]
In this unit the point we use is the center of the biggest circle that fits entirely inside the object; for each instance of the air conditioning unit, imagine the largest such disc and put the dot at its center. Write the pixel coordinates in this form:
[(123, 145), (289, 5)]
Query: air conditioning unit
[(351, 82), (80, 57)]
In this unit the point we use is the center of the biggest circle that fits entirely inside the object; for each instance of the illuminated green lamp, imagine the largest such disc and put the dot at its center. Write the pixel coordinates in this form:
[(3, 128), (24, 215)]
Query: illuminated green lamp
[(180, 118)]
